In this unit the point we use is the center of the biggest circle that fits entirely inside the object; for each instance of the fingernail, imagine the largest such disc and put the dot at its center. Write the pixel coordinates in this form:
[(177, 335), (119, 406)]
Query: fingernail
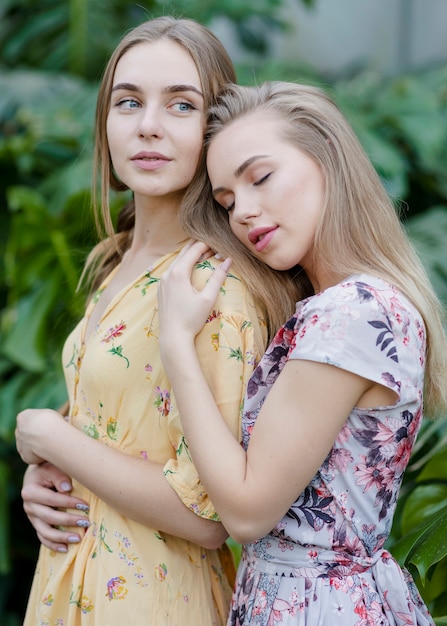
[(61, 549), (218, 256), (84, 523), (82, 507), (65, 486), (73, 539)]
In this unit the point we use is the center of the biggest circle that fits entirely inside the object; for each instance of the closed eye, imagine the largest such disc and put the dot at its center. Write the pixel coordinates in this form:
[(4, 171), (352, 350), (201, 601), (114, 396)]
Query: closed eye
[(262, 180)]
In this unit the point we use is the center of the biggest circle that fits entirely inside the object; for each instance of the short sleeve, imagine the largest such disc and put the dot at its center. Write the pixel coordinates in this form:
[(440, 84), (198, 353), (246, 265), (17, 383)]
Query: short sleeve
[(358, 327), (230, 344)]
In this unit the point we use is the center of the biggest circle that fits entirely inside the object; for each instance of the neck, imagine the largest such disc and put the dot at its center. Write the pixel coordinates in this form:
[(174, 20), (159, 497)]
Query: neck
[(157, 230)]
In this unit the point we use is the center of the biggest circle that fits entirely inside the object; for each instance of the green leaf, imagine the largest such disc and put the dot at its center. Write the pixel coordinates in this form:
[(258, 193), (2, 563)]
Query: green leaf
[(435, 469), (4, 519), (25, 342), (425, 545)]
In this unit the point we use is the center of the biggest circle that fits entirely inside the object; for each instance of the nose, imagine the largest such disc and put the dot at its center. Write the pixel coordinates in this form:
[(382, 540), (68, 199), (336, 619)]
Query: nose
[(150, 122), (245, 209)]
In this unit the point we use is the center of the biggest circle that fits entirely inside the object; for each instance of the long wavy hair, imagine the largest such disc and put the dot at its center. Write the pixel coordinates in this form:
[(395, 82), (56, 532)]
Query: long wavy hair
[(359, 231)]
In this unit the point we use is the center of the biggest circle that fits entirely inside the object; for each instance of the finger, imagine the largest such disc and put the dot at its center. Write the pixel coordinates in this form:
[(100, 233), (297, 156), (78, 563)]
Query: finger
[(216, 280), (55, 538), (55, 517), (193, 252), (34, 495)]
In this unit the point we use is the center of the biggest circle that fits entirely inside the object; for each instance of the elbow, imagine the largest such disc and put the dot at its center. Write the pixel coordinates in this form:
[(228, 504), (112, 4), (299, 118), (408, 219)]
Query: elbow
[(248, 530), (215, 537)]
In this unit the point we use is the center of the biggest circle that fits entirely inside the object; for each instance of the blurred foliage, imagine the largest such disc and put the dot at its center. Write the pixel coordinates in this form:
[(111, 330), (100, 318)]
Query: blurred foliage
[(52, 54), (78, 35)]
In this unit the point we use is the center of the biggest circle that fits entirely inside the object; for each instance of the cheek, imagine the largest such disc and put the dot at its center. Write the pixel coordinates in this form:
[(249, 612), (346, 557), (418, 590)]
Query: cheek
[(238, 231)]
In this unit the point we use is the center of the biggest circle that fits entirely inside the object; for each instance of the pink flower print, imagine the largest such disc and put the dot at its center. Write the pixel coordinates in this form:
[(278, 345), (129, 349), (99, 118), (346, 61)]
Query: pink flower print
[(213, 316), (260, 602), (148, 368), (116, 589), (160, 572), (340, 459), (402, 456), (377, 475), (163, 401), (113, 332)]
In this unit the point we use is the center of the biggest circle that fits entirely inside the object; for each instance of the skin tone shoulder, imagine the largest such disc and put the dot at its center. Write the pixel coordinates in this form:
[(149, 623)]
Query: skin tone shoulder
[(155, 130), (274, 194)]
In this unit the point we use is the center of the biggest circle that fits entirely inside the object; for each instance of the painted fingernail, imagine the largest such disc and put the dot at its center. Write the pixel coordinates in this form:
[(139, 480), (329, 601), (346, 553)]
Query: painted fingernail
[(83, 507), (73, 539), (65, 486), (84, 523), (61, 549)]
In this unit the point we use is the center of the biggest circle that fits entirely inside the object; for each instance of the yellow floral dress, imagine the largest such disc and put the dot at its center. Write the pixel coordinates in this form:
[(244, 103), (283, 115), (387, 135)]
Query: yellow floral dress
[(122, 572)]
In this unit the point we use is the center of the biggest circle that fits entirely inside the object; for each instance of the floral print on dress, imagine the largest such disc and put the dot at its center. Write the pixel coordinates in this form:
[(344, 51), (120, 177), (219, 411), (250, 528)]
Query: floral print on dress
[(326, 560), (110, 336), (122, 570), (116, 589)]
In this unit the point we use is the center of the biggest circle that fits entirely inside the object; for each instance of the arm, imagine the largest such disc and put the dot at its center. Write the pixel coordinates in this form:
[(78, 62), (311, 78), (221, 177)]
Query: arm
[(138, 489), (252, 490)]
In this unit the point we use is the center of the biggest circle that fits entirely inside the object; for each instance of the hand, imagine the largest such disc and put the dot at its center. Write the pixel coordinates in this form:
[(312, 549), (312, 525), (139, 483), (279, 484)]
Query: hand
[(34, 426), (183, 310), (45, 490)]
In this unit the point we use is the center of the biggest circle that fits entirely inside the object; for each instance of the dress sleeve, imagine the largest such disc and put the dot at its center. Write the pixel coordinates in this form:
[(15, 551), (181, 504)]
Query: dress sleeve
[(228, 347), (359, 328)]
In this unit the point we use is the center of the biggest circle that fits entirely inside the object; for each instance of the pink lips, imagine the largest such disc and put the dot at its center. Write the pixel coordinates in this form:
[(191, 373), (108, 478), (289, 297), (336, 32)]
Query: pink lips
[(149, 160), (261, 237)]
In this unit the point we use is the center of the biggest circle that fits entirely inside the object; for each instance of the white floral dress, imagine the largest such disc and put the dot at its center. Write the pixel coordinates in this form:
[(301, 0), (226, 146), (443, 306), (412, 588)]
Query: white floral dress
[(325, 563)]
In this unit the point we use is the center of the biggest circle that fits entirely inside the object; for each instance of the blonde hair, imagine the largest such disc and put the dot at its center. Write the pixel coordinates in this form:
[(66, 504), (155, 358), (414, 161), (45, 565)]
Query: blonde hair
[(215, 69), (360, 230)]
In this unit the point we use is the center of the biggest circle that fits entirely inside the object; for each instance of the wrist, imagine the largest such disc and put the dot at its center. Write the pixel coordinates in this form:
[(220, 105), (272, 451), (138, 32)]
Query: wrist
[(47, 433)]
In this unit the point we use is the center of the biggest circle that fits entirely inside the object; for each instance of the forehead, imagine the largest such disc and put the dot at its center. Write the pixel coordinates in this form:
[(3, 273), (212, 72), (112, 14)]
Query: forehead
[(256, 132), (157, 60)]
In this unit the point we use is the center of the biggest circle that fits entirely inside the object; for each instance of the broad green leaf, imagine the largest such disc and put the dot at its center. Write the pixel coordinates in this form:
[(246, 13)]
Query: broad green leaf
[(424, 501), (431, 547), (26, 339), (425, 545)]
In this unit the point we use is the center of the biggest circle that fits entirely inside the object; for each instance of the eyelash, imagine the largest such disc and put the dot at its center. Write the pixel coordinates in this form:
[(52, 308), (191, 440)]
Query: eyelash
[(261, 180), (191, 107), (230, 207), (126, 101)]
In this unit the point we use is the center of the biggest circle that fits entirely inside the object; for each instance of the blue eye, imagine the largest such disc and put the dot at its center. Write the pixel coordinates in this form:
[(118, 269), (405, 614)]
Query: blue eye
[(128, 103), (184, 107)]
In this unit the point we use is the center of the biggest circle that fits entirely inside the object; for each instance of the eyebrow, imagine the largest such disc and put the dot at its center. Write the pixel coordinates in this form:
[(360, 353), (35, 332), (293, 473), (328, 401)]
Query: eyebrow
[(241, 169), (168, 90)]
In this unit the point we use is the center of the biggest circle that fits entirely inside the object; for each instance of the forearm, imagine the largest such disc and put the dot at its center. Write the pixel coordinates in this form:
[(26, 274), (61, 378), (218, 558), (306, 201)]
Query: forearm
[(133, 486), (218, 456)]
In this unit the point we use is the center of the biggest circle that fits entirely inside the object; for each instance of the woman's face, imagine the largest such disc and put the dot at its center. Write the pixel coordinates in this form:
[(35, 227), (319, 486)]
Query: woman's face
[(156, 120), (273, 192)]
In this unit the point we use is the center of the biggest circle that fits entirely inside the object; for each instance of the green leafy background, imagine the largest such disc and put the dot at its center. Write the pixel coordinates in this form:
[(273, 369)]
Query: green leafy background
[(53, 53)]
